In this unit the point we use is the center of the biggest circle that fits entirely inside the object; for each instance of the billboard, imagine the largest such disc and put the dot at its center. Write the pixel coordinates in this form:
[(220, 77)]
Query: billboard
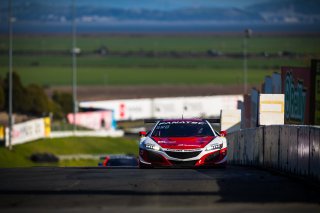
[(188, 107), (127, 109), (96, 120), (297, 83)]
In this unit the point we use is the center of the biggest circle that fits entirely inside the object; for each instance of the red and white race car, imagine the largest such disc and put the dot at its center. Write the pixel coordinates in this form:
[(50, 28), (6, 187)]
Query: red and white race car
[(182, 143)]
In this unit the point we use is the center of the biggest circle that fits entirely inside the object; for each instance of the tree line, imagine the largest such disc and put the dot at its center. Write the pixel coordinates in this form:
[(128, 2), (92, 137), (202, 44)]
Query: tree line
[(32, 99)]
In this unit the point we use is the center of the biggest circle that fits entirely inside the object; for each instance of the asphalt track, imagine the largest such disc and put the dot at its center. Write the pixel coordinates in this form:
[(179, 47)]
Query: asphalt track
[(235, 189)]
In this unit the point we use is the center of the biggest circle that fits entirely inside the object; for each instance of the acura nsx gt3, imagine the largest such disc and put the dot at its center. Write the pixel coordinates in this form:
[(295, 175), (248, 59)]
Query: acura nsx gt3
[(182, 143)]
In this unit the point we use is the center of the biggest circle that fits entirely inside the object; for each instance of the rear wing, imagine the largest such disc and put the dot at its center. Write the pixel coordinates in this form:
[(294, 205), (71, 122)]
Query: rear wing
[(214, 120), (151, 121)]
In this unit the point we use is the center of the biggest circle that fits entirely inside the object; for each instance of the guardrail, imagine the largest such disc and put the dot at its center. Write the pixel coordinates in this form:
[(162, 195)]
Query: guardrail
[(288, 148)]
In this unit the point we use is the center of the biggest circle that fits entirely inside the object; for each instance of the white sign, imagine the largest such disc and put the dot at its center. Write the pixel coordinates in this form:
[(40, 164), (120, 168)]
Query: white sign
[(29, 131), (188, 107), (94, 120), (130, 109), (271, 110)]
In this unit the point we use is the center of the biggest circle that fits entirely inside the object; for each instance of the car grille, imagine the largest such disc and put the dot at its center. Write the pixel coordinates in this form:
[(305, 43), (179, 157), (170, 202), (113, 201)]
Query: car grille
[(183, 155), (183, 163)]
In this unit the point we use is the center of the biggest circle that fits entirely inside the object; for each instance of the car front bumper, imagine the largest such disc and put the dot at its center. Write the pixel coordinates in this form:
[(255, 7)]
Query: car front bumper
[(182, 158)]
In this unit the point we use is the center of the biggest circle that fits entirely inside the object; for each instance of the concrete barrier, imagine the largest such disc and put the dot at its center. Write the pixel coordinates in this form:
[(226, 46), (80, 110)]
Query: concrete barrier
[(315, 153), (249, 147), (271, 146), (231, 139), (289, 148), (303, 150), (284, 149), (257, 138), (242, 148), (292, 147)]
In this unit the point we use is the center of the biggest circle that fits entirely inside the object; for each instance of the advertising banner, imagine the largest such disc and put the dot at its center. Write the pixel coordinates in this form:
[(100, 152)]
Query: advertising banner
[(297, 83), (2, 133), (127, 109), (29, 131), (188, 107), (96, 120), (168, 108)]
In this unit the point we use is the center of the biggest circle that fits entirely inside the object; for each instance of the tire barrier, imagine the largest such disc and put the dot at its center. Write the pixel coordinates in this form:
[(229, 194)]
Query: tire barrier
[(44, 158), (287, 148)]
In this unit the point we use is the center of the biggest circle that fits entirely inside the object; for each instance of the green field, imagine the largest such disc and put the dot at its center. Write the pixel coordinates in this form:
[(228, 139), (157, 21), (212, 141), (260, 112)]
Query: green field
[(19, 157), (49, 69), (270, 44)]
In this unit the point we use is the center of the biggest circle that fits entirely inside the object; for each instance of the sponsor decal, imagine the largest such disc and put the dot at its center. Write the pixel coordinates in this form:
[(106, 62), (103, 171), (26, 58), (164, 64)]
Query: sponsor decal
[(182, 122), (295, 100)]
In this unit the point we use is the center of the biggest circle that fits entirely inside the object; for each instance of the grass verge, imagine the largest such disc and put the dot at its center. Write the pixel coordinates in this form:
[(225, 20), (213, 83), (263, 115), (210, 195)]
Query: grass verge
[(19, 156)]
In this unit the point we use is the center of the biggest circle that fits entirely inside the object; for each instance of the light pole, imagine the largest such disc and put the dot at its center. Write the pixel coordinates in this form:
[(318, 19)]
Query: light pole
[(247, 34), (10, 20), (74, 65)]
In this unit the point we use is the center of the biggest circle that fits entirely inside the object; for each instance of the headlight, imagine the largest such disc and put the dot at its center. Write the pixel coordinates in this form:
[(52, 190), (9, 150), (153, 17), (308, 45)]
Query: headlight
[(214, 146), (152, 146)]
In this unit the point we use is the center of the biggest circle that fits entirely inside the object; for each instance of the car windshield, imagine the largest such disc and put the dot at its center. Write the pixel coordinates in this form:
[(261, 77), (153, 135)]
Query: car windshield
[(182, 129)]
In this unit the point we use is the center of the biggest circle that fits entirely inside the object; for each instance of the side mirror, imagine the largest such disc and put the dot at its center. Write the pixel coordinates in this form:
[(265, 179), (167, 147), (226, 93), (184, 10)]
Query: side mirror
[(223, 133), (142, 133)]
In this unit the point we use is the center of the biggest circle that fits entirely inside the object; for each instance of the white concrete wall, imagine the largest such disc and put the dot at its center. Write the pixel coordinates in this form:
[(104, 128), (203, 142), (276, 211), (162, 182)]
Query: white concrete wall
[(288, 148)]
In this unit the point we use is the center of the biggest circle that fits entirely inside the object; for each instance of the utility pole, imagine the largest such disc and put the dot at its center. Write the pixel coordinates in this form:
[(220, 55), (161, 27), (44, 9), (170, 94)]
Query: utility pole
[(74, 65), (247, 34), (10, 123)]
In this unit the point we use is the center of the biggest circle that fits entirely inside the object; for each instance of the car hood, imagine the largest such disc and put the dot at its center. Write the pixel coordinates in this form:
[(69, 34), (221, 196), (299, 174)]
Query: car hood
[(183, 142)]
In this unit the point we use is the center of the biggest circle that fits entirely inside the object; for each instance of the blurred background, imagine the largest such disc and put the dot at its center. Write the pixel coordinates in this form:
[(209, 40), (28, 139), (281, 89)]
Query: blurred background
[(91, 71)]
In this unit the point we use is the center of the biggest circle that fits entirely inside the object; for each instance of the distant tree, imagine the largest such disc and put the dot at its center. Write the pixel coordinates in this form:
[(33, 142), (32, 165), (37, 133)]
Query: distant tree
[(37, 100), (55, 109), (64, 100), (33, 100), (19, 94)]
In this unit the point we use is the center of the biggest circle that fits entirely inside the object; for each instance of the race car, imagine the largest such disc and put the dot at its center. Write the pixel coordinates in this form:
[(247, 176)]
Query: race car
[(182, 143), (119, 161)]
